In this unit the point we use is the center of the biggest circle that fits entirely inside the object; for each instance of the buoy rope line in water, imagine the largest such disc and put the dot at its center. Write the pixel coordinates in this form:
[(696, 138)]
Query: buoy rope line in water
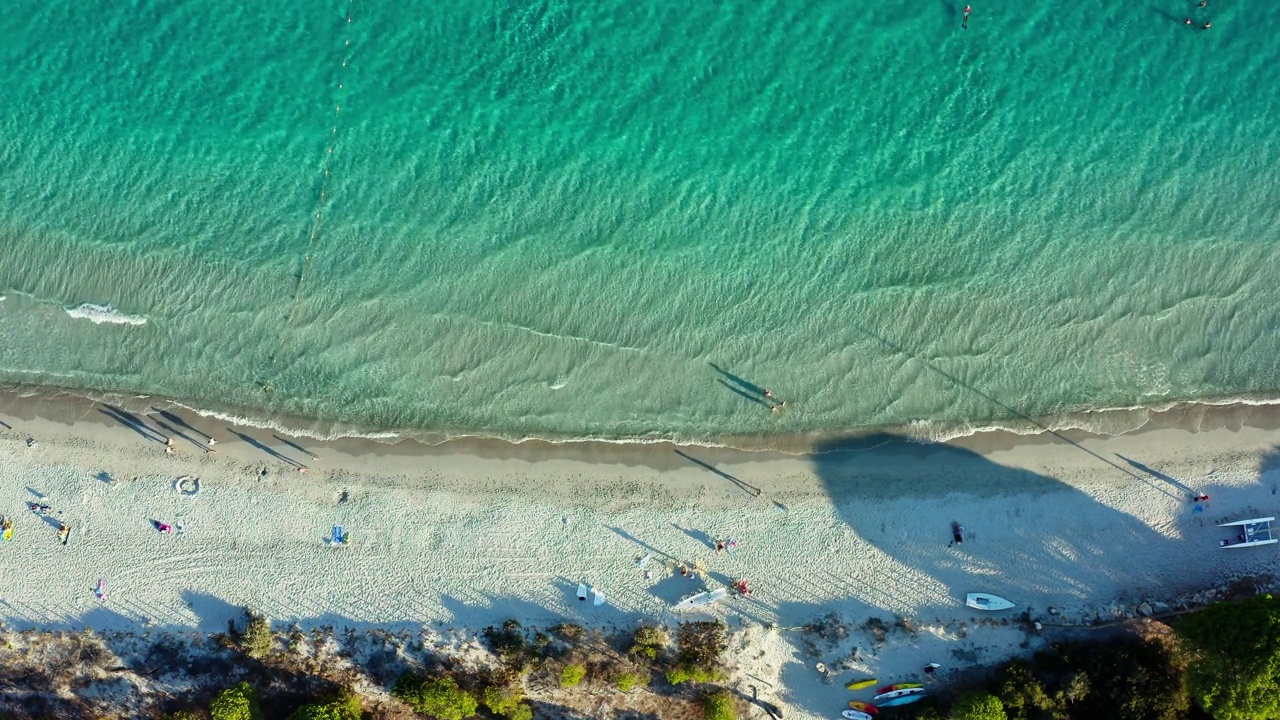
[(317, 221)]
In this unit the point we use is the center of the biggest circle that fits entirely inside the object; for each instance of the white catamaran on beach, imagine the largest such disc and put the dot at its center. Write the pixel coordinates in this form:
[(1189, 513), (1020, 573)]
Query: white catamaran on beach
[(1252, 532)]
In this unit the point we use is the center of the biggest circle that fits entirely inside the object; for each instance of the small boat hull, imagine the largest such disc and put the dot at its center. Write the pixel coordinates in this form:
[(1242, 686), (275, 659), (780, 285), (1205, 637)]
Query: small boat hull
[(984, 601)]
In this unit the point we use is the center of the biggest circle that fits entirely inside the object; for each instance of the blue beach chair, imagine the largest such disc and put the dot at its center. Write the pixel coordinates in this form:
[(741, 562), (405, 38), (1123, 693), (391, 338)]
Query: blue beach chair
[(338, 536)]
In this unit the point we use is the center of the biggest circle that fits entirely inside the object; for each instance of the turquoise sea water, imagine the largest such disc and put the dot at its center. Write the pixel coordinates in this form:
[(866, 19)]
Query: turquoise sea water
[(552, 218)]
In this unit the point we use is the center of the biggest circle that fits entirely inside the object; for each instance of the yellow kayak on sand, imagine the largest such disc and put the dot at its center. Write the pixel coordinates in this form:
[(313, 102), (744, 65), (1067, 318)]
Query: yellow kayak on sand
[(860, 684)]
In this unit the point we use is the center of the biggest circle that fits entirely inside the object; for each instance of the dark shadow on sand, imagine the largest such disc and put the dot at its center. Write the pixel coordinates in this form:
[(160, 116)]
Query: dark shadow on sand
[(133, 422), (174, 431), (743, 486), (697, 535), (297, 447), (174, 419), (266, 449), (632, 538), (1187, 492)]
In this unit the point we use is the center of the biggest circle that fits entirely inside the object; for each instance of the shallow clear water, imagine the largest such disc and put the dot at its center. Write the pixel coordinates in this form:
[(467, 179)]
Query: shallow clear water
[(551, 218)]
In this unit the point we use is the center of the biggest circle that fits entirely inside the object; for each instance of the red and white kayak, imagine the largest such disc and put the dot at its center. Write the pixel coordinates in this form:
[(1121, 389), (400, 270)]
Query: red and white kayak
[(863, 707), (896, 691)]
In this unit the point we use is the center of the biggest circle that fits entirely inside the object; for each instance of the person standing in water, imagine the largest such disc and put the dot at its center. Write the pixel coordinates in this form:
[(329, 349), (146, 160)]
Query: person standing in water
[(964, 24)]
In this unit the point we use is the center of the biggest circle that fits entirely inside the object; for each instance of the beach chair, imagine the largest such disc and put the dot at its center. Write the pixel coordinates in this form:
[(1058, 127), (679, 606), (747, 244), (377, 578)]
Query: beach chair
[(338, 536)]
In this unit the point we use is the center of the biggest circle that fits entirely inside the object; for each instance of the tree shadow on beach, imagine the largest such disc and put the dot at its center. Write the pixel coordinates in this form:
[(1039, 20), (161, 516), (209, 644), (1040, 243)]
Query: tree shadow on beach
[(1031, 538)]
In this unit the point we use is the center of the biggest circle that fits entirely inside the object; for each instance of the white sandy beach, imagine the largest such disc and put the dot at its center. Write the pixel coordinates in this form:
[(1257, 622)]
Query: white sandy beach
[(465, 536)]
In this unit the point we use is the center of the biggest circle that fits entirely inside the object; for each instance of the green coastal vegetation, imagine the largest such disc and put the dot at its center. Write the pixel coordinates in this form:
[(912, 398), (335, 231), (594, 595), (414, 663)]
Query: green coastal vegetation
[(1221, 662)]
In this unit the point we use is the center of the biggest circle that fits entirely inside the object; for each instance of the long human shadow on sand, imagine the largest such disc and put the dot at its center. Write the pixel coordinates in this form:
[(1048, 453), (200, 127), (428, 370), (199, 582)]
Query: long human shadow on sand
[(1029, 537), (741, 484)]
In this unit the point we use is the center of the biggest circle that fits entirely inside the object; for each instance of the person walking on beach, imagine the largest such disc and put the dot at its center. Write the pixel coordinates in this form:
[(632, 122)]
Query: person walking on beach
[(64, 532)]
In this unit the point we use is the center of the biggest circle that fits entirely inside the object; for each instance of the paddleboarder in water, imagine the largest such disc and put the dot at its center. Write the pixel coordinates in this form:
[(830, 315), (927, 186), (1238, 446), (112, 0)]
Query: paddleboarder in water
[(964, 24)]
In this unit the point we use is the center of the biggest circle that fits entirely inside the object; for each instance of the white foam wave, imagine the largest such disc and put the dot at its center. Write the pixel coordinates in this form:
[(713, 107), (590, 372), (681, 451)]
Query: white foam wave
[(99, 314), (271, 424)]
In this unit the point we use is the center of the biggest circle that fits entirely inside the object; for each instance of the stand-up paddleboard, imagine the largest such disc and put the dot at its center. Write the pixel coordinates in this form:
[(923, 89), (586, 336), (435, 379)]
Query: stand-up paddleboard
[(855, 715), (904, 700), (984, 601), (865, 707), (860, 684), (701, 599), (889, 692)]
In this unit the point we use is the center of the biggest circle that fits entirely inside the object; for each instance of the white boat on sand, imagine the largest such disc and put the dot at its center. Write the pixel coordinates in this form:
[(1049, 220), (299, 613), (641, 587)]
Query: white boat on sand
[(701, 599), (984, 601), (1252, 532)]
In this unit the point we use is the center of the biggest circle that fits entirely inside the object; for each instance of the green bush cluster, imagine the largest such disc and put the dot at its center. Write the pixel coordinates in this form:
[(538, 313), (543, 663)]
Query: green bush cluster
[(1234, 658), (978, 706), (438, 697), (256, 639), (571, 675), (690, 673), (629, 681), (718, 706), (1125, 679), (509, 644), (343, 707), (698, 656), (503, 700), (239, 702), (648, 641)]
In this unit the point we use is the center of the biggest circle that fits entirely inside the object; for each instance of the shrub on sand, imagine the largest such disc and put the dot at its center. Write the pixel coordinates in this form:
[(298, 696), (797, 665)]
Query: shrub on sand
[(344, 707), (629, 681), (571, 675), (718, 706), (648, 641), (256, 640), (502, 700), (978, 706), (439, 697), (239, 702)]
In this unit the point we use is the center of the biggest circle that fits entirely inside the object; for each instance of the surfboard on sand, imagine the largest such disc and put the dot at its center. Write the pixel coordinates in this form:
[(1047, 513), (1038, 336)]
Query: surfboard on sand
[(701, 599)]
